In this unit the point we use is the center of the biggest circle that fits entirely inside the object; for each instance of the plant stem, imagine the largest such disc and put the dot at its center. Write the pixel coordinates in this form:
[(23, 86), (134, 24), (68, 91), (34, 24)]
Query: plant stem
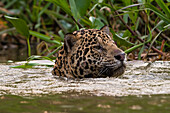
[(65, 31), (80, 26), (29, 47), (163, 35), (134, 33)]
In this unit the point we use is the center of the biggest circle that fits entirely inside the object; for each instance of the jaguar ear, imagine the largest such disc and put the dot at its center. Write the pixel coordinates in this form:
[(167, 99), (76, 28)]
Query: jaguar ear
[(105, 29), (69, 41)]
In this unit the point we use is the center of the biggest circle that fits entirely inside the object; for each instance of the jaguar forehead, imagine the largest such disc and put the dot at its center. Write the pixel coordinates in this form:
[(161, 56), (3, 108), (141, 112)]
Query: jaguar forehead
[(103, 39)]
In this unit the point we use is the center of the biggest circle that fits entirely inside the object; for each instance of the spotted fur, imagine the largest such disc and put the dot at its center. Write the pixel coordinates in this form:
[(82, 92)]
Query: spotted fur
[(89, 53)]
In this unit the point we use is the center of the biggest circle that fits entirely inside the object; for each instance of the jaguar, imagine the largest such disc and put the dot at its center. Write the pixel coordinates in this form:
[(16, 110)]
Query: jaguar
[(89, 53)]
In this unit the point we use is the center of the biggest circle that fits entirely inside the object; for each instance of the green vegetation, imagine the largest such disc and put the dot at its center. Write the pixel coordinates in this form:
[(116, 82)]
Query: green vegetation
[(139, 27)]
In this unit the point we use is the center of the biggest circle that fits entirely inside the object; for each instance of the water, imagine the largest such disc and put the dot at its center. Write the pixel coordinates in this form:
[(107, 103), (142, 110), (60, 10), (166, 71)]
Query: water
[(76, 103), (15, 54), (145, 87)]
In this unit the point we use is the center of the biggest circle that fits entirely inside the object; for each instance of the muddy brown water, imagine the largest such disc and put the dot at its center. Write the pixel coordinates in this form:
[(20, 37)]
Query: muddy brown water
[(144, 87)]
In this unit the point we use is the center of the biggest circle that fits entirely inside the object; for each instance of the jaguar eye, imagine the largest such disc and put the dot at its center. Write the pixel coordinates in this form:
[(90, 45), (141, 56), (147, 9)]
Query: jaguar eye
[(99, 47)]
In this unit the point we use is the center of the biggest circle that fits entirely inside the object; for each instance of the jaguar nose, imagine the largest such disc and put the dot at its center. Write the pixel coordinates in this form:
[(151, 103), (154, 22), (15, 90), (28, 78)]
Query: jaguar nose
[(120, 57)]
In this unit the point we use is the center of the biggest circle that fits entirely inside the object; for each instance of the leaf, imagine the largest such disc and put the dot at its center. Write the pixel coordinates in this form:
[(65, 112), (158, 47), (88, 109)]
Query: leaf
[(126, 33), (96, 22), (20, 25), (133, 48), (127, 2), (134, 15), (40, 13), (63, 4), (79, 7), (53, 52), (141, 51), (120, 41), (137, 24), (149, 38), (85, 20), (101, 16), (60, 32), (157, 25), (57, 15), (154, 40), (129, 6), (167, 26), (125, 18), (26, 65), (74, 10), (158, 12), (39, 58), (164, 7), (92, 8), (82, 6), (30, 65), (44, 37), (10, 4)]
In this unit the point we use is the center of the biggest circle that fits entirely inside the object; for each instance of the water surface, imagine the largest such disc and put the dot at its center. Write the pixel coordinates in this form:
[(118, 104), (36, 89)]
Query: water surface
[(145, 87), (76, 103)]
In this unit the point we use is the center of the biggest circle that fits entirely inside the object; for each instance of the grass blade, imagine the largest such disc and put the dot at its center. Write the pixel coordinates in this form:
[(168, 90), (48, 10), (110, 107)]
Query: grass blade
[(158, 12), (74, 10), (133, 48), (63, 4), (164, 7), (44, 37)]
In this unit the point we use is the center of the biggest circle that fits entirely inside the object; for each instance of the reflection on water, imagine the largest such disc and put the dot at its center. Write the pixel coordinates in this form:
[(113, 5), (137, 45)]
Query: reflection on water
[(15, 54), (76, 103)]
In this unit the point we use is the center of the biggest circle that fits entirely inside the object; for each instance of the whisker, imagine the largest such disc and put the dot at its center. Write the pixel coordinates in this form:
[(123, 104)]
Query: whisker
[(110, 65), (102, 71)]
